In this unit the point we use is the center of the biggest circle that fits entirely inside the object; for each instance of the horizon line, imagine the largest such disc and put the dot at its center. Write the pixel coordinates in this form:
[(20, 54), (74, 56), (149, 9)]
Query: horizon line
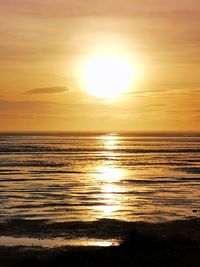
[(97, 131)]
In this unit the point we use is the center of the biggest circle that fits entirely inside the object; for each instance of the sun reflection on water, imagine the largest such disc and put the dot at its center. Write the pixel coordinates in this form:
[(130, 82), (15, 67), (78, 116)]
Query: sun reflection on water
[(109, 178), (109, 173), (110, 142)]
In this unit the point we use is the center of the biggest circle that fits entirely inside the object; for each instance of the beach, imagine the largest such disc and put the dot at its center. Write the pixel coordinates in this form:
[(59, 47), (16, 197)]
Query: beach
[(99, 199), (140, 244)]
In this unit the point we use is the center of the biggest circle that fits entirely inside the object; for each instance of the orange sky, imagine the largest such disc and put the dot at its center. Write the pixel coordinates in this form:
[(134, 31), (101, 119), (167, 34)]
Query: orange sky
[(43, 43)]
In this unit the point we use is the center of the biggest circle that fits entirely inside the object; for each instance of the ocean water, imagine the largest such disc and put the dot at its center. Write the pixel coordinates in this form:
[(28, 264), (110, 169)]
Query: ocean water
[(78, 177)]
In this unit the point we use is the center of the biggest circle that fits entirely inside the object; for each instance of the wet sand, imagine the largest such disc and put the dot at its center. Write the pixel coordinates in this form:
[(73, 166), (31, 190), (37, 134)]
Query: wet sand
[(142, 244)]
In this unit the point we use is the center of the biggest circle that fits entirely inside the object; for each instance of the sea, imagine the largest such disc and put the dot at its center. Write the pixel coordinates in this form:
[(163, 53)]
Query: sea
[(88, 177)]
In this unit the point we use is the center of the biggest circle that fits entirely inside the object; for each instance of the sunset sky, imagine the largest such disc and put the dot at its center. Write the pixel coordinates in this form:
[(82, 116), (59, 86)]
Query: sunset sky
[(45, 44)]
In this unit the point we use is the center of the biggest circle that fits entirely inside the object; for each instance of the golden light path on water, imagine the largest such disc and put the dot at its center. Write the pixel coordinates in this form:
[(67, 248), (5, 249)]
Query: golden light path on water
[(110, 178)]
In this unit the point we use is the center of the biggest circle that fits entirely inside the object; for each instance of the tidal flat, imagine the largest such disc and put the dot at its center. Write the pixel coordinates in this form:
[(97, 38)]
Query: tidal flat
[(140, 244)]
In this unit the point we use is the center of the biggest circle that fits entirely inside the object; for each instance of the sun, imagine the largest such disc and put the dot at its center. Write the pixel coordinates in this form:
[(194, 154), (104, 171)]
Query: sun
[(106, 76)]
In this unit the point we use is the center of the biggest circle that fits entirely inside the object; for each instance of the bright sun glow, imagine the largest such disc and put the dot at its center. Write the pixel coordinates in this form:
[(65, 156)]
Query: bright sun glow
[(107, 77)]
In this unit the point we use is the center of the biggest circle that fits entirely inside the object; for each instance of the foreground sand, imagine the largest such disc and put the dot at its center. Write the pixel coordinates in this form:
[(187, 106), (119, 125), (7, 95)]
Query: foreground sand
[(164, 244)]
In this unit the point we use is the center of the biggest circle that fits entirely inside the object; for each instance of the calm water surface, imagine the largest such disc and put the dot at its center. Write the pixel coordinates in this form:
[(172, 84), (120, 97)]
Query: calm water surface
[(87, 177)]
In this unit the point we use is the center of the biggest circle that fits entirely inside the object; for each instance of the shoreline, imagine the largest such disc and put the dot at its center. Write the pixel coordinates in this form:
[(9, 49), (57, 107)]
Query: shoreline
[(107, 228), (174, 243)]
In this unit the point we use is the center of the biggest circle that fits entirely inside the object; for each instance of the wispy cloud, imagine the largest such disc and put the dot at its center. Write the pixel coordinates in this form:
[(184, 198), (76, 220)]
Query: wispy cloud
[(47, 90), (173, 89)]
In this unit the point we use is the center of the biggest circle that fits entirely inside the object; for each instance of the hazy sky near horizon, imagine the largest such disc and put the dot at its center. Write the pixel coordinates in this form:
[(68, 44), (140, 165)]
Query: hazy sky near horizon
[(44, 42)]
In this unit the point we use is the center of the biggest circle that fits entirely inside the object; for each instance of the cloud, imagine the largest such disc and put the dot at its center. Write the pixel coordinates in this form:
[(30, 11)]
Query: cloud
[(47, 90), (167, 89)]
